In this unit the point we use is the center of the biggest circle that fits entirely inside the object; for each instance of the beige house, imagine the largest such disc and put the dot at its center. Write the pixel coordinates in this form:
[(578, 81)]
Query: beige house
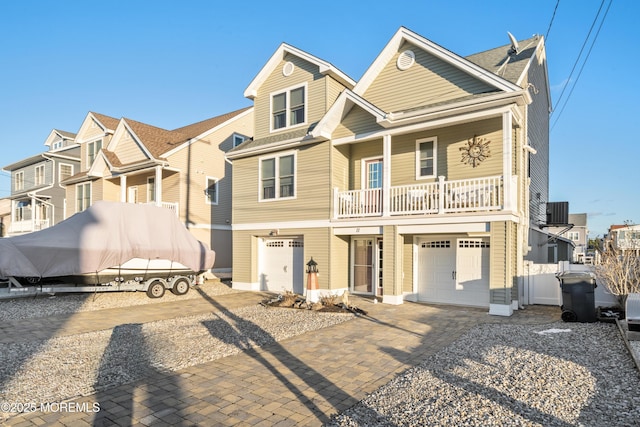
[(182, 169), (412, 184)]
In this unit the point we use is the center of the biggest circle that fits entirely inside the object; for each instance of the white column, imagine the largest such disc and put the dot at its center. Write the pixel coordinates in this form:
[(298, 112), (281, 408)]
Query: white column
[(507, 160), (123, 188), (158, 184), (386, 175)]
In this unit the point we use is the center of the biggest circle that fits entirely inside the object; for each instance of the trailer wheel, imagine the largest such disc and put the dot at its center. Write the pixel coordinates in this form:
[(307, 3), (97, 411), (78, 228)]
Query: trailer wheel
[(156, 289), (181, 286)]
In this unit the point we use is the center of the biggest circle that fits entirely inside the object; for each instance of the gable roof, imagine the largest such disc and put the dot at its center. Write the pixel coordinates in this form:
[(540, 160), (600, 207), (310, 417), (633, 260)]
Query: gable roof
[(197, 129), (405, 35), (109, 123), (325, 68)]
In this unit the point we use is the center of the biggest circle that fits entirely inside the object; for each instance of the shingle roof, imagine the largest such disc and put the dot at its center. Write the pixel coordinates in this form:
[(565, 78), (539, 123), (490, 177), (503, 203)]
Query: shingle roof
[(201, 127), (109, 122), (157, 140), (493, 59), (251, 143), (66, 134)]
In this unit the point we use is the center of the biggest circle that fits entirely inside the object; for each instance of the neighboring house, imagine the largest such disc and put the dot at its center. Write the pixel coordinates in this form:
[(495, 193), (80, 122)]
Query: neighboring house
[(623, 238), (5, 216), (413, 183), (37, 195), (182, 169), (575, 237)]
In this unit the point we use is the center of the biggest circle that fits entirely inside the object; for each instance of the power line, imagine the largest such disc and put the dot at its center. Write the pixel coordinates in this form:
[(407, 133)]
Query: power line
[(546, 37), (578, 59)]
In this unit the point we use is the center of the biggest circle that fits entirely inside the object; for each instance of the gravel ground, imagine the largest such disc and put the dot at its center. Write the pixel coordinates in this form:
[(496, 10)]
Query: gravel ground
[(61, 368), (513, 375), (42, 306)]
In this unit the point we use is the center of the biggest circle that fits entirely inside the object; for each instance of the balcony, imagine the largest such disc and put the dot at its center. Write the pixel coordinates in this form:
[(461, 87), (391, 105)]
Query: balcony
[(167, 205), (440, 197), (27, 226)]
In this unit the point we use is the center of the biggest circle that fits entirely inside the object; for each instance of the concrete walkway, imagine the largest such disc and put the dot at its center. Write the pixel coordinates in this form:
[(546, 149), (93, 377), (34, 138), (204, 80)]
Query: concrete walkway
[(299, 381)]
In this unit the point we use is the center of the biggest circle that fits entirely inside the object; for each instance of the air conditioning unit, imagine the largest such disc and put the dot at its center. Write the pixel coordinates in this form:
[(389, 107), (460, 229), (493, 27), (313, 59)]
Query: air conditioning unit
[(633, 312), (557, 213)]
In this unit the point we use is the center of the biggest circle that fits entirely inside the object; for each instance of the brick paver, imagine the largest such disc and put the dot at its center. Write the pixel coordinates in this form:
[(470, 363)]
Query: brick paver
[(299, 381)]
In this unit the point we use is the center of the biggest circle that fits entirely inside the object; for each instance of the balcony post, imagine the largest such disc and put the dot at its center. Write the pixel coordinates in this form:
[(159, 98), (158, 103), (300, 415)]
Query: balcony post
[(336, 201), (386, 175), (123, 188), (441, 194), (507, 161)]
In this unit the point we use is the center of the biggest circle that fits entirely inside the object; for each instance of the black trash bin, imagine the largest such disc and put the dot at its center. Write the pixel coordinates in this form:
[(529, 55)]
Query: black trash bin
[(578, 296)]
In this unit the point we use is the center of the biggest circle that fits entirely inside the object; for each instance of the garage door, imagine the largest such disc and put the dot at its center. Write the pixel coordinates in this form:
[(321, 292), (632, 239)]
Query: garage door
[(282, 265), (454, 271)]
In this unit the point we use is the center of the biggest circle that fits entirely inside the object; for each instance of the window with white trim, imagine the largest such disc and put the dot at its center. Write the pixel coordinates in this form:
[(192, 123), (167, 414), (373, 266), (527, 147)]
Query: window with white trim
[(39, 175), (211, 190), (574, 236), (83, 196), (18, 181), (426, 150), (93, 148), (288, 108), (151, 189), (277, 177), (237, 139), (64, 171)]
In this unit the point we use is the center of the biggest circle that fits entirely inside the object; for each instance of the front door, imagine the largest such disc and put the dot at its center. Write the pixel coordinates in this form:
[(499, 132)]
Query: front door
[(373, 169)]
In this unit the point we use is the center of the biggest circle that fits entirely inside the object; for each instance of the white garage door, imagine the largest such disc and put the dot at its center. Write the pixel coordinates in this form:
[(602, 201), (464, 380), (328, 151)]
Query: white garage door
[(454, 271), (282, 265)]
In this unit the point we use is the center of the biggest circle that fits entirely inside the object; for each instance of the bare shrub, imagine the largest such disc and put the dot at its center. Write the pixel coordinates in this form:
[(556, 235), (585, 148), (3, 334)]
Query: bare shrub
[(620, 274)]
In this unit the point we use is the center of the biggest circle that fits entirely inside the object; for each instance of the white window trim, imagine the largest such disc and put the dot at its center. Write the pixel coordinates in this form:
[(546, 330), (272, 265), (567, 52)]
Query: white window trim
[(364, 171), (206, 186), (93, 141), (435, 157), (149, 186), (15, 181), (90, 198), (237, 135), (277, 176), (36, 182), (288, 107), (60, 167)]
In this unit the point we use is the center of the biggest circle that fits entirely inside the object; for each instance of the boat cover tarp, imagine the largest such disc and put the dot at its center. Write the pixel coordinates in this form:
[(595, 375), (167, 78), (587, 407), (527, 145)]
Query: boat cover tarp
[(105, 235)]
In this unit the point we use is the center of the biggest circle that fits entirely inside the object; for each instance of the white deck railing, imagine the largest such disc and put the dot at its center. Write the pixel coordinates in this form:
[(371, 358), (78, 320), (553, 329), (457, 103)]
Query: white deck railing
[(465, 195), (29, 225), (168, 205)]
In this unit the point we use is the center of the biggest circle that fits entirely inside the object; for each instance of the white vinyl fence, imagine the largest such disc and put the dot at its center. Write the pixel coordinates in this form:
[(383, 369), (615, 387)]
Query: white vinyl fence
[(541, 286)]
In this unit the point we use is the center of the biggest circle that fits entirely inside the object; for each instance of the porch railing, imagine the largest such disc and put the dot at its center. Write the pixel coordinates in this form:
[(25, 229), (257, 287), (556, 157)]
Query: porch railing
[(465, 195), (168, 205), (29, 225)]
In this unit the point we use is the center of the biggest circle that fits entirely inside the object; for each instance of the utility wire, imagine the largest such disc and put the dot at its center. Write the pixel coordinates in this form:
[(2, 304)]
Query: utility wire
[(583, 63), (546, 37)]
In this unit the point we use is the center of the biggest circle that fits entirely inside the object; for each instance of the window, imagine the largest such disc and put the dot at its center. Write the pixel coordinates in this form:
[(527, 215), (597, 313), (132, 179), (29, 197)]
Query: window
[(64, 171), (151, 189), (288, 108), (57, 145), (573, 236), (83, 196), (39, 175), (373, 170), (18, 181), (237, 140), (426, 158), (211, 191), (93, 148), (277, 177)]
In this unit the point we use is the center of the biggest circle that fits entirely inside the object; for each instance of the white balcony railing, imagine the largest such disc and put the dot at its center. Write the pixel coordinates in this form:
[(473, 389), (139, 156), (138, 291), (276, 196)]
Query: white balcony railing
[(466, 195), (29, 225), (168, 205)]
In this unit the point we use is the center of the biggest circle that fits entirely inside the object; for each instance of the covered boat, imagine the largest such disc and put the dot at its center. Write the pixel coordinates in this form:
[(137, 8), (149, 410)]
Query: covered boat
[(109, 241)]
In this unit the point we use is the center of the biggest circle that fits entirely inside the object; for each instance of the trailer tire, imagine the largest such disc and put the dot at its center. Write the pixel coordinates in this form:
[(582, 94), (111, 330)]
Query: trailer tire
[(180, 286), (156, 289)]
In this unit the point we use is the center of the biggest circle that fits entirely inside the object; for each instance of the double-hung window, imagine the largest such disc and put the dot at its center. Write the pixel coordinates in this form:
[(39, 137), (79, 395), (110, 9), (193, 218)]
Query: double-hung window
[(83, 196), (64, 171), (39, 175), (277, 177), (151, 189), (93, 148), (18, 181), (426, 158), (288, 108)]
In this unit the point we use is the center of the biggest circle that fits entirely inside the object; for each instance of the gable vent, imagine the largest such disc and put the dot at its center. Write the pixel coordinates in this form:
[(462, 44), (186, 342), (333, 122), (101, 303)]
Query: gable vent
[(406, 60), (287, 69)]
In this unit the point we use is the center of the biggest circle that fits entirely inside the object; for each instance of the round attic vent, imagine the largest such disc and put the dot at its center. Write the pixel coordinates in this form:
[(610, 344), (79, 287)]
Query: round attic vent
[(287, 69), (406, 60)]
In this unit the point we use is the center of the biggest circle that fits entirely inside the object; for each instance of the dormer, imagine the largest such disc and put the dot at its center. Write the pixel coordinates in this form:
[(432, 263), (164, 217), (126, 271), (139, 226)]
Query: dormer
[(94, 134), (59, 140), (292, 92)]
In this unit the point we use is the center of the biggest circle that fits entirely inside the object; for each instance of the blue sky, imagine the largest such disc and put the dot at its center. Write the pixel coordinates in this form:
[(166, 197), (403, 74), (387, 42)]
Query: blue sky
[(172, 63)]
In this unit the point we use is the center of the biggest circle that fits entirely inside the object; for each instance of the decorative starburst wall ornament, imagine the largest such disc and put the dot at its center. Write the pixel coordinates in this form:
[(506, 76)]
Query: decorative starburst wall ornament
[(476, 151)]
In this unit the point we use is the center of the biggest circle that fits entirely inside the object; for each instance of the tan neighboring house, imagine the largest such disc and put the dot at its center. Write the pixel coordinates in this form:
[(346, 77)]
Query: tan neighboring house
[(182, 169), (38, 197), (413, 183)]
